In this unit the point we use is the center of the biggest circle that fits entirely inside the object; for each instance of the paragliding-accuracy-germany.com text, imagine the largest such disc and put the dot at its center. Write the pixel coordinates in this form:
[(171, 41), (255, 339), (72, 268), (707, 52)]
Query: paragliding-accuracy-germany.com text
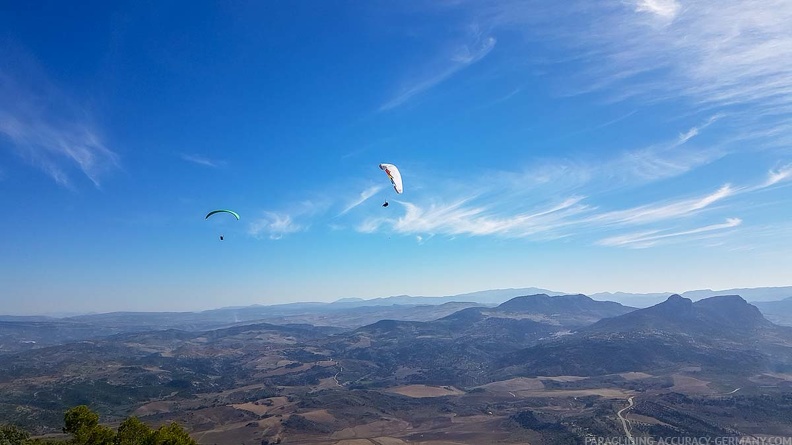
[(689, 440)]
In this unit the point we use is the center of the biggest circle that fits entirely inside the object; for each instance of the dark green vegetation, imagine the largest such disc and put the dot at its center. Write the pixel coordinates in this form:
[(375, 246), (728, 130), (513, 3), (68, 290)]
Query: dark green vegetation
[(83, 427), (534, 369)]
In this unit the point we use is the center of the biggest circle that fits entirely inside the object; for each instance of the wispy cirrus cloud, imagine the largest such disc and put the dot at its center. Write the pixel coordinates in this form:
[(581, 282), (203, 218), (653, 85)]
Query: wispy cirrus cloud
[(777, 175), (664, 211), (510, 215), (679, 209), (716, 52), (457, 58), (299, 216), (651, 238), (296, 218), (364, 196), (274, 225), (765, 236), (694, 131), (706, 55), (629, 168), (667, 9), (49, 129), (202, 160), (460, 218), (523, 217)]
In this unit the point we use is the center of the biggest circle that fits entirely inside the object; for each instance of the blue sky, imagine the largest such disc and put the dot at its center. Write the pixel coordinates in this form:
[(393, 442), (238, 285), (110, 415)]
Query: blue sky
[(635, 145)]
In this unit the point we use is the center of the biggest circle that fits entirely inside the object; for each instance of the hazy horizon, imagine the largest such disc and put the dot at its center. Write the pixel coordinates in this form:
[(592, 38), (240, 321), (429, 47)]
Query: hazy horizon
[(775, 296)]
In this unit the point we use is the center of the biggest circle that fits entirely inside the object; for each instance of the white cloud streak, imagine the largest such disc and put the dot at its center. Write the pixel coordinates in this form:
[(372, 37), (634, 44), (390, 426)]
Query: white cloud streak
[(202, 160), (628, 169), (275, 225), (458, 219), (651, 238), (653, 213), (714, 55), (720, 52), (461, 57), (667, 9), (571, 217), (694, 131), (778, 175), (51, 131), (364, 196)]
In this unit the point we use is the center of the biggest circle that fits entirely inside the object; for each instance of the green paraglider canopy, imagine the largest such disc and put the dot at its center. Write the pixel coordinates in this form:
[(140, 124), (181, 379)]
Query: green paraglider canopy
[(222, 211)]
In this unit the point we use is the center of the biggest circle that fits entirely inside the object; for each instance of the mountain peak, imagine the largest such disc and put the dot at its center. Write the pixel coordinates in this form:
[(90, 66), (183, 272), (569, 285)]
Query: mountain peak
[(677, 299), (675, 307), (349, 300), (568, 310), (525, 302), (732, 310), (715, 316)]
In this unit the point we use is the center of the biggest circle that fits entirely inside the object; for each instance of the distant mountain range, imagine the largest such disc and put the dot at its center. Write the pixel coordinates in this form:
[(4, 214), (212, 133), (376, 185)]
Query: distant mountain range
[(638, 300), (493, 297), (515, 356), (723, 334), (779, 312), (563, 310), (758, 294), (468, 343)]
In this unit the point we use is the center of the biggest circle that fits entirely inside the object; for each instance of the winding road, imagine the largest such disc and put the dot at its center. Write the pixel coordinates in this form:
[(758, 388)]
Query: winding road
[(624, 421), (335, 377)]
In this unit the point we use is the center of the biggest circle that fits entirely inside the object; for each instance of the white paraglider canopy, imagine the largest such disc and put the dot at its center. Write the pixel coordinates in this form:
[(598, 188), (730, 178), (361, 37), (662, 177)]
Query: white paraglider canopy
[(394, 175)]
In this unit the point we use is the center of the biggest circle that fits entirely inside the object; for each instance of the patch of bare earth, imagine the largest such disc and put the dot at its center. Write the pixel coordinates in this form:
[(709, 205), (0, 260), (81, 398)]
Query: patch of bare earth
[(320, 416), (363, 342), (284, 370), (466, 430), (562, 378), (325, 383), (639, 418), (770, 378), (252, 407), (524, 387), (420, 391), (388, 427), (387, 441), (229, 434), (516, 384), (608, 393), (690, 385), (272, 405), (354, 442), (635, 375), (153, 408), (402, 372)]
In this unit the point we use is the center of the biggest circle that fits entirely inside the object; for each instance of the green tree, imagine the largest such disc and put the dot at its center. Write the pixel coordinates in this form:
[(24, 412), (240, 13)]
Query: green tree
[(133, 432), (171, 434), (79, 418), (12, 435), (83, 425)]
